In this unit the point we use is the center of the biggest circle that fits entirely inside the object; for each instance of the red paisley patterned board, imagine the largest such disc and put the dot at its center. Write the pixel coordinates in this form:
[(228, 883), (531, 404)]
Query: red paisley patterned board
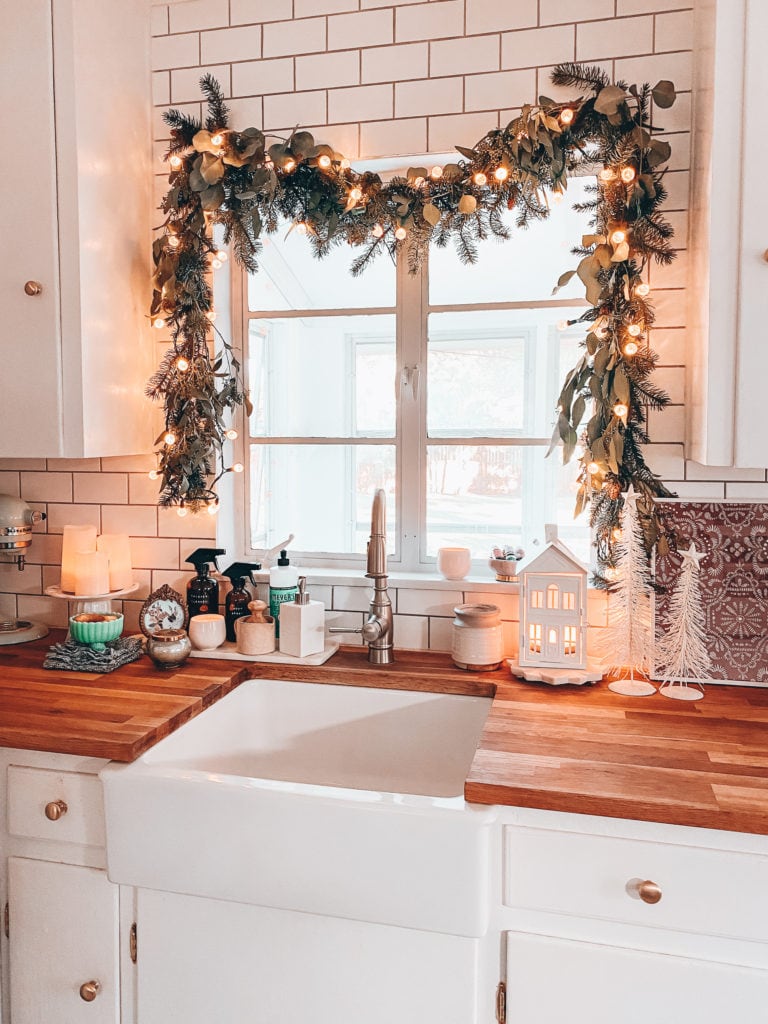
[(734, 582)]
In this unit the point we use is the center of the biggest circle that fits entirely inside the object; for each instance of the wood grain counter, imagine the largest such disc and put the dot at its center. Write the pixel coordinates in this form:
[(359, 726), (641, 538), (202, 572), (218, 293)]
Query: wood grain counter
[(579, 749)]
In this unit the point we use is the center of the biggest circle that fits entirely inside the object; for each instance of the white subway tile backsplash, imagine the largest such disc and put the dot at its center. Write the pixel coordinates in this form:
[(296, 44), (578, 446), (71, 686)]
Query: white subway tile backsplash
[(10, 483), (674, 31), (346, 104), (351, 620), (15, 465), (50, 610), (45, 549), (46, 486), (650, 6), (158, 15), (305, 8), (161, 88), (508, 604), (695, 471), (351, 599), (100, 487), (135, 520), (554, 12), (440, 632), (255, 78), (403, 137), (364, 28), (740, 490), (231, 44), (185, 84), (596, 40), (291, 108), (395, 63), (411, 632), (285, 38), (443, 19), (154, 553), (464, 56), (427, 602), (537, 46), (243, 12), (25, 581), (127, 464), (677, 67), (429, 97), (198, 14), (328, 70), (464, 129), (491, 16), (170, 524), (175, 51), (482, 92)]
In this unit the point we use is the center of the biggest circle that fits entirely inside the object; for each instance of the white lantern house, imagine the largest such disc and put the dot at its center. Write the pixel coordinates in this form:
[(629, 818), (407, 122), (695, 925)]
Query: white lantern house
[(553, 609)]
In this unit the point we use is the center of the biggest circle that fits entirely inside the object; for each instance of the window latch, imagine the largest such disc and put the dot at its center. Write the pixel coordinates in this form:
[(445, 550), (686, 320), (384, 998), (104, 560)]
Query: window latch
[(409, 378)]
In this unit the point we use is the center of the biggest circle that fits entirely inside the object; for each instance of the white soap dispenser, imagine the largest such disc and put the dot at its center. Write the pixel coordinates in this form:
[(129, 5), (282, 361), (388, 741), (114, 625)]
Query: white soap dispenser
[(302, 624)]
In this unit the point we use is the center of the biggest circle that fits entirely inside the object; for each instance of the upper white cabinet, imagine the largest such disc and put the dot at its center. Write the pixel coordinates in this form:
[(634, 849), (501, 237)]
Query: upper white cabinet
[(76, 175), (728, 357)]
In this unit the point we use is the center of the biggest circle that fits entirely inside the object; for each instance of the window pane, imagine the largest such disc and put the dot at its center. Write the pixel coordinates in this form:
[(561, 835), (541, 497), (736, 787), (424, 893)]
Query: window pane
[(479, 496), (320, 376), (321, 493), (290, 277), (525, 267), (498, 372)]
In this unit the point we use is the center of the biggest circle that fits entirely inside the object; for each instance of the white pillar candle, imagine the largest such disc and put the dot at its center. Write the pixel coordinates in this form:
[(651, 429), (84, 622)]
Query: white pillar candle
[(92, 574), (117, 548), (78, 540)]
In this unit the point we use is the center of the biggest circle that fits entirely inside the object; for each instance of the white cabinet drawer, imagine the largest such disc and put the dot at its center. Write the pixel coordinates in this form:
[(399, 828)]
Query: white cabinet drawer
[(63, 806), (714, 892)]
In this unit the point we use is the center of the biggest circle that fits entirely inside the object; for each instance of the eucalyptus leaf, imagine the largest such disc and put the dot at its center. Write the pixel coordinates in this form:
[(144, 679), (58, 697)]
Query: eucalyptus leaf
[(563, 280), (664, 94), (431, 214), (608, 100)]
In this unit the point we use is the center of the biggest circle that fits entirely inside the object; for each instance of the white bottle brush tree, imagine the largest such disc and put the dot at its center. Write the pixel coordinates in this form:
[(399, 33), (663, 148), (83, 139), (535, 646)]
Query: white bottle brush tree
[(629, 638), (681, 650)]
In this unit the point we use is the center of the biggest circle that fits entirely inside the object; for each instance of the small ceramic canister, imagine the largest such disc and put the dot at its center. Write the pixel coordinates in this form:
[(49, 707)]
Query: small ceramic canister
[(168, 648), (477, 640), (256, 632)]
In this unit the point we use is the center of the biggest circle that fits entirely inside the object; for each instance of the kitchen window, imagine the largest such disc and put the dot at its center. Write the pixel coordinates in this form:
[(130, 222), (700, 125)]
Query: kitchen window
[(438, 387)]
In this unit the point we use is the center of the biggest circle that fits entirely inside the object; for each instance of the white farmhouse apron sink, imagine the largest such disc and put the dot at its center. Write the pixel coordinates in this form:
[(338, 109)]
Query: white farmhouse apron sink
[(335, 800)]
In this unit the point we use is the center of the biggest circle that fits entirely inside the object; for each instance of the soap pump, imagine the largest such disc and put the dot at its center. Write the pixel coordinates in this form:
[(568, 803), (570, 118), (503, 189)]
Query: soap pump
[(238, 599), (283, 580), (302, 624), (203, 589)]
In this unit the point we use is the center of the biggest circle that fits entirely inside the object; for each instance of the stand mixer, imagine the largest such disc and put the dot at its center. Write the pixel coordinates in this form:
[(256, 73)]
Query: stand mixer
[(16, 522)]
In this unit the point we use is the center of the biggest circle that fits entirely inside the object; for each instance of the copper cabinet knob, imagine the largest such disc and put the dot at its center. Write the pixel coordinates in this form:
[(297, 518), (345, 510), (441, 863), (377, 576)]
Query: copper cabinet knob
[(645, 890), (55, 809), (33, 288), (89, 990)]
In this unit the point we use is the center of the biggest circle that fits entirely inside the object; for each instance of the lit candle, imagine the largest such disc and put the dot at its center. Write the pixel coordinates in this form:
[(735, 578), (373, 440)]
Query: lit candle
[(91, 574), (78, 540), (117, 548)]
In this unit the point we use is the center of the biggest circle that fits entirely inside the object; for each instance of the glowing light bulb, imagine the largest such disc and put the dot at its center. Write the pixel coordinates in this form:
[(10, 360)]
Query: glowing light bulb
[(557, 198), (231, 435), (480, 178), (616, 533), (346, 164), (562, 325), (355, 194), (213, 510), (175, 162), (174, 241), (634, 330), (418, 182), (607, 174), (159, 323), (642, 290), (289, 166), (153, 474), (217, 139), (181, 511), (618, 236), (377, 230), (501, 174), (182, 364), (237, 468), (620, 410), (436, 173), (628, 175), (630, 349), (211, 314), (593, 468), (216, 264), (400, 234), (169, 438), (301, 227), (221, 255), (566, 116), (324, 161)]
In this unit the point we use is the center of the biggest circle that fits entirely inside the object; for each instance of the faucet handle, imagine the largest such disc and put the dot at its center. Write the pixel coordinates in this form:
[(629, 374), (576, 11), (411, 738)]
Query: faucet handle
[(372, 630)]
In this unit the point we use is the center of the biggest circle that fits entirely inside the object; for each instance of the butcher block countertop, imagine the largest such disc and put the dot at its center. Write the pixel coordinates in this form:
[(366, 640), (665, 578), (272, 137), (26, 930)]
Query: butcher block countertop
[(577, 749)]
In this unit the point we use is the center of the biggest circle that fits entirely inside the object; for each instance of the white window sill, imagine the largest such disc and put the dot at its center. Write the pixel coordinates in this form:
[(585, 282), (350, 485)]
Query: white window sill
[(324, 576)]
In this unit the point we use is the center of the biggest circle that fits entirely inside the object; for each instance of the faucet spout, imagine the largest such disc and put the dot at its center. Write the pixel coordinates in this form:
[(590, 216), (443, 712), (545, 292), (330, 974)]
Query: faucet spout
[(377, 549)]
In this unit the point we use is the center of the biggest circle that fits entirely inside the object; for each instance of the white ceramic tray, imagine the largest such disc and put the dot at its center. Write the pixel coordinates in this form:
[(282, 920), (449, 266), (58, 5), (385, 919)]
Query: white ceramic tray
[(228, 652)]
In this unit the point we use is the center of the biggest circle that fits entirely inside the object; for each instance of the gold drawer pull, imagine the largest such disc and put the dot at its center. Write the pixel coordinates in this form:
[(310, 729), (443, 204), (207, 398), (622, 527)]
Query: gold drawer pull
[(33, 288), (644, 890), (89, 990), (55, 809)]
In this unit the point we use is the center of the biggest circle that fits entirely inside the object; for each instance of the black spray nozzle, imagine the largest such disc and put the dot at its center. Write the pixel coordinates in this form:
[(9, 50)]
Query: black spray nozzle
[(240, 571), (205, 556)]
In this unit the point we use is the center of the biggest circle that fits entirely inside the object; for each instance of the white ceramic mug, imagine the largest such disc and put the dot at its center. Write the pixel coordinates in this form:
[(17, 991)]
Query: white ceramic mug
[(207, 632), (454, 563)]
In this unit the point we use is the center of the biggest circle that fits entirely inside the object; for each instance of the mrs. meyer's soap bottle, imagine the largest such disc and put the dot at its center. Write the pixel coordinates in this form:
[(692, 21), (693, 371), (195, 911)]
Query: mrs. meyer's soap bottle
[(283, 586)]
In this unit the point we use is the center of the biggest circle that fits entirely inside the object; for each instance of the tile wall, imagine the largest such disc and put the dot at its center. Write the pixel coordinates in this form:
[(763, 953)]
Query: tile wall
[(381, 78)]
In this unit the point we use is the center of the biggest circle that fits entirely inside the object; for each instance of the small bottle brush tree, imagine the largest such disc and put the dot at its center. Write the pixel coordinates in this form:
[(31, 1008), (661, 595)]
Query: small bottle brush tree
[(629, 625), (681, 651)]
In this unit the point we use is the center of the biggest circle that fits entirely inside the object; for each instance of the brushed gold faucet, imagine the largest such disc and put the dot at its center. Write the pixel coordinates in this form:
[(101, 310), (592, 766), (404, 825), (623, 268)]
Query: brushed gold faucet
[(378, 629)]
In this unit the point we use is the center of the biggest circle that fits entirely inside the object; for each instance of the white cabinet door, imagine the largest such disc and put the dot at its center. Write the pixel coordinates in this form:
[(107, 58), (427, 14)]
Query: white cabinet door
[(75, 206), (63, 935), (550, 981), (202, 961)]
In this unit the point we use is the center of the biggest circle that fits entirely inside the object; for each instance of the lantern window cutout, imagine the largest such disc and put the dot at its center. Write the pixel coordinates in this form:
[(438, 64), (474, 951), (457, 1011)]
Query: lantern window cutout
[(553, 609)]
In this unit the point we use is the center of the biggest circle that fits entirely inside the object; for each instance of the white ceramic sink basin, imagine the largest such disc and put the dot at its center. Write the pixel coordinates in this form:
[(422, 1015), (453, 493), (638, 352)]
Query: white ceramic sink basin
[(330, 799)]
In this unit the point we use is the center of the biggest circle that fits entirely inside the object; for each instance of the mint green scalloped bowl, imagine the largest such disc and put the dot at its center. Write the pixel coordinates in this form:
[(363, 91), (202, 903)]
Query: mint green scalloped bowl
[(96, 634)]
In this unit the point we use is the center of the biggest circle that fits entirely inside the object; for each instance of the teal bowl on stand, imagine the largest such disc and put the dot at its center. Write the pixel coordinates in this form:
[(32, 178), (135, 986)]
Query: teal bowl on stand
[(96, 634)]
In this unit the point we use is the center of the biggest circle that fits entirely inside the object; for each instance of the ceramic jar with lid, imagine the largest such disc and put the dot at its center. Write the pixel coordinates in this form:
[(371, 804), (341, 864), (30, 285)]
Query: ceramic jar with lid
[(477, 641), (168, 648)]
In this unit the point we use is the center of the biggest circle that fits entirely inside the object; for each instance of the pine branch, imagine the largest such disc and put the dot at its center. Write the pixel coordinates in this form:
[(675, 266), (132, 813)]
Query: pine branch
[(218, 111), (579, 76)]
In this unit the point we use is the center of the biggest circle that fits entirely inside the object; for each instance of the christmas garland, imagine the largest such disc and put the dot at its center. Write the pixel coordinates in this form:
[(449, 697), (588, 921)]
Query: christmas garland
[(219, 175)]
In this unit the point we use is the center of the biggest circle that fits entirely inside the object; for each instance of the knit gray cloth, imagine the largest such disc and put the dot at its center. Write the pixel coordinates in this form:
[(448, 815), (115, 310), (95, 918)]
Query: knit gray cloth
[(71, 656)]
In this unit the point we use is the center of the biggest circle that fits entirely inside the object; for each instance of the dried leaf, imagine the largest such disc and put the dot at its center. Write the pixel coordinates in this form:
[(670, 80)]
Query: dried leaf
[(664, 94), (467, 204), (608, 100), (431, 214), (563, 280)]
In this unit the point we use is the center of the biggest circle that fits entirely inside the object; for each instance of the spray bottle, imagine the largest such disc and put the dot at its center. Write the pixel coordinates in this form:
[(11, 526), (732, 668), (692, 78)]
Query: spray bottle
[(237, 600), (203, 589)]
